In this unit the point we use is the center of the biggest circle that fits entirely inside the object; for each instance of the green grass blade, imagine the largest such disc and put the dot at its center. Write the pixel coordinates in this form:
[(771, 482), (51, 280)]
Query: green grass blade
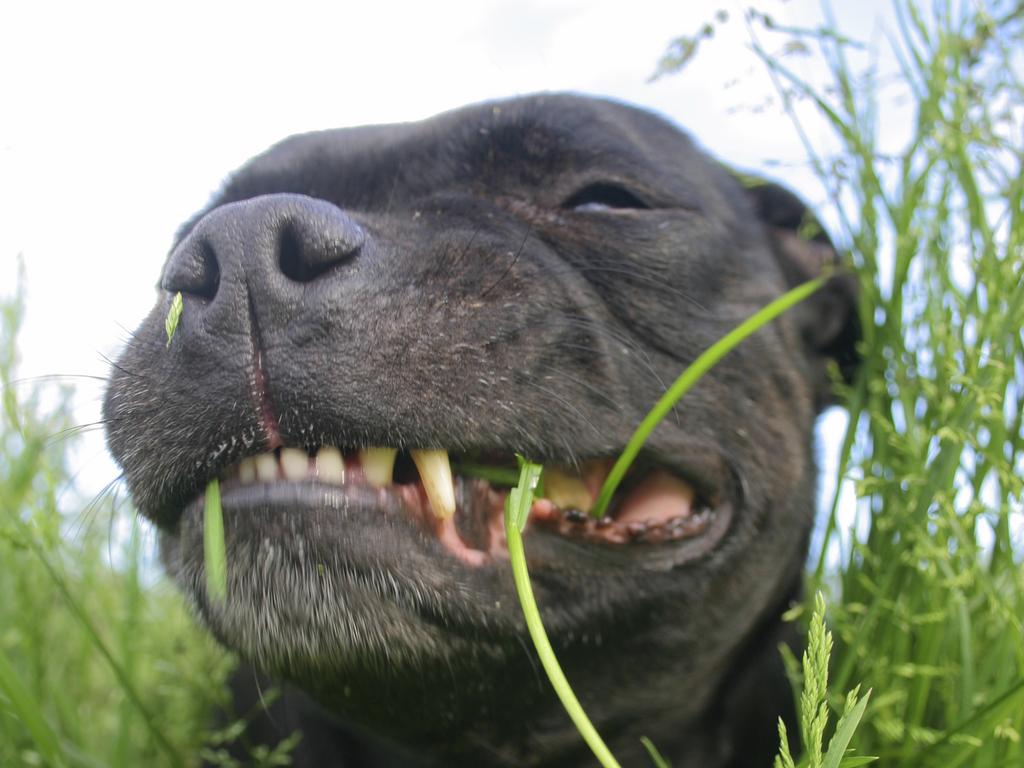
[(844, 732), (93, 635), (506, 476), (520, 498), (129, 631), (689, 377), (1010, 701), (27, 711), (173, 316), (215, 557), (655, 755), (527, 480)]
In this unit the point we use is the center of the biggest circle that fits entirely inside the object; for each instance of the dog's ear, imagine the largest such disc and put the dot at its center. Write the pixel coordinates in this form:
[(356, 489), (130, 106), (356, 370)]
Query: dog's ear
[(829, 321)]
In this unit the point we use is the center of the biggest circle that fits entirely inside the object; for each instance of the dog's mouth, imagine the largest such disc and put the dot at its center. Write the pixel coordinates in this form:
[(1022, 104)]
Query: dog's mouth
[(459, 499)]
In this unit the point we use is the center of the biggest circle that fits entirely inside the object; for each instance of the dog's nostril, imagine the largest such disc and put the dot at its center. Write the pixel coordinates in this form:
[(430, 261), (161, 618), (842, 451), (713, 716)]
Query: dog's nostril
[(306, 249), (193, 269), (267, 243), (289, 256)]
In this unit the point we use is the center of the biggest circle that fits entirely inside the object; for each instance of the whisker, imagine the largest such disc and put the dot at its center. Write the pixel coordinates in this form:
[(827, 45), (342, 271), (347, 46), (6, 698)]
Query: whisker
[(78, 525), (639, 357), (631, 275), (69, 433), (118, 367), (564, 375), (568, 406), (56, 377), (511, 264)]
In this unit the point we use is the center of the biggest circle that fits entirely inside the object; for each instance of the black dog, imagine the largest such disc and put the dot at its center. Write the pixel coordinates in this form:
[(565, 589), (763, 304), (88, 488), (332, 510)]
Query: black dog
[(518, 277)]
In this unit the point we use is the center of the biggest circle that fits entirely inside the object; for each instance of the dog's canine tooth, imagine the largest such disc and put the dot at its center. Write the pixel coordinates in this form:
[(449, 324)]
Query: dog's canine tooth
[(266, 467), (330, 466), (378, 465), (436, 474), (294, 464), (566, 491), (247, 470)]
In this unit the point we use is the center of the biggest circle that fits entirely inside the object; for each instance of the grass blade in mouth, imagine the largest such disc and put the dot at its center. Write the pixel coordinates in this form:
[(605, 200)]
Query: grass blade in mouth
[(704, 363), (215, 558), (520, 498), (506, 476), (517, 508)]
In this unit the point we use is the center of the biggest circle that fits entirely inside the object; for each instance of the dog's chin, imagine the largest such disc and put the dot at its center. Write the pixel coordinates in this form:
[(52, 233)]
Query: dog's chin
[(327, 576), (295, 604)]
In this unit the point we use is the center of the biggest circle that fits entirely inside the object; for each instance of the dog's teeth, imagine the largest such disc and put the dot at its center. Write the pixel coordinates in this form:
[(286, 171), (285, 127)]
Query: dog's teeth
[(247, 471), (436, 475), (565, 490), (330, 467), (266, 467), (378, 465), (294, 464)]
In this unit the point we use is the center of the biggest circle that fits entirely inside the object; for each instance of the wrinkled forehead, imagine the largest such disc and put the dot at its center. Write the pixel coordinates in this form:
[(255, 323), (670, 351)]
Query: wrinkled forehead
[(510, 146)]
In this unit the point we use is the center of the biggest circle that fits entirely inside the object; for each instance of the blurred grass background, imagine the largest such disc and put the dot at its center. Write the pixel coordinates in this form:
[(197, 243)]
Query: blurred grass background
[(926, 584), (100, 665), (83, 643)]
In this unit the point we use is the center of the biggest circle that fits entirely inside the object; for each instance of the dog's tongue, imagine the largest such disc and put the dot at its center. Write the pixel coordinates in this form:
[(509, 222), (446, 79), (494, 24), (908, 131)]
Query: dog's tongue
[(658, 498)]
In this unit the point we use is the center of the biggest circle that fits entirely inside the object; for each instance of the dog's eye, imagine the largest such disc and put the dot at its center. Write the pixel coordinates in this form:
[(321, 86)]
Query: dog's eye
[(602, 196)]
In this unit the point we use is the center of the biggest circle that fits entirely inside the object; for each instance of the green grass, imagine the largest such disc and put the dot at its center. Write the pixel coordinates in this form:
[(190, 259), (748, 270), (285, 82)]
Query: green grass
[(98, 667), (928, 607), (814, 706), (214, 554), (927, 590), (174, 316), (927, 601)]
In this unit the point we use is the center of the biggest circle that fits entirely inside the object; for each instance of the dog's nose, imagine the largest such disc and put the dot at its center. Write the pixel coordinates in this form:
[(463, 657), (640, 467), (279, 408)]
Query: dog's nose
[(270, 242)]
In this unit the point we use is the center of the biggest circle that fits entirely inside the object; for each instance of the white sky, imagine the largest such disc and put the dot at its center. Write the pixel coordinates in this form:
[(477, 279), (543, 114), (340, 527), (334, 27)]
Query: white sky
[(119, 120)]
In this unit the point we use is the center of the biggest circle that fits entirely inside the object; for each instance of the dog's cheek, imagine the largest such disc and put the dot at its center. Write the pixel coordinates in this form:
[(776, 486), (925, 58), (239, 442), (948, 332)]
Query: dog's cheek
[(678, 280)]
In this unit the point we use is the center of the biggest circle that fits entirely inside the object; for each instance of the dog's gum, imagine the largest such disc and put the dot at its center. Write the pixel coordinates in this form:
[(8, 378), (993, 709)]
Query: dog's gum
[(452, 541)]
